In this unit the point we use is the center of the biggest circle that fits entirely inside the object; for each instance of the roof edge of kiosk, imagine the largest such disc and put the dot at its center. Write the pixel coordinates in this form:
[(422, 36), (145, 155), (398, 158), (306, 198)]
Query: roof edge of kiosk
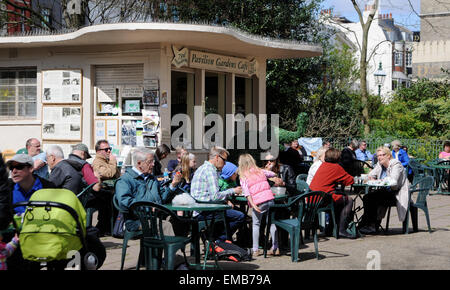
[(189, 35)]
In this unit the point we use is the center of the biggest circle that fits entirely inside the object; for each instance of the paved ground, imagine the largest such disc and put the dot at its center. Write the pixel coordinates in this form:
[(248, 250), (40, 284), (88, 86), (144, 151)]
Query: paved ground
[(420, 250)]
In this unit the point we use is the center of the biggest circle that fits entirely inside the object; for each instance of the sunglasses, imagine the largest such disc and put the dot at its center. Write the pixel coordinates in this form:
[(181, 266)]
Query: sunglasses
[(224, 160), (18, 167), (106, 149)]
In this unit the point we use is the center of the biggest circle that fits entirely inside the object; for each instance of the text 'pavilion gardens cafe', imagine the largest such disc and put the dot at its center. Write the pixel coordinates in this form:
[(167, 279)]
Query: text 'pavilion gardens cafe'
[(124, 82)]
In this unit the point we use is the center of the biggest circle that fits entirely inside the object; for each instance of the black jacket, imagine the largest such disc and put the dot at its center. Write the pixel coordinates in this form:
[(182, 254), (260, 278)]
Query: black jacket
[(349, 161), (64, 175)]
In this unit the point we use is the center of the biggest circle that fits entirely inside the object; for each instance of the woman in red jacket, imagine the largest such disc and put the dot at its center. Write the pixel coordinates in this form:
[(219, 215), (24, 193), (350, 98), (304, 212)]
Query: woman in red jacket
[(327, 177)]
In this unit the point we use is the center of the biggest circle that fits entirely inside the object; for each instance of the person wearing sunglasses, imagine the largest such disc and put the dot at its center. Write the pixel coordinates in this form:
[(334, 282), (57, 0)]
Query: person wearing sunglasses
[(23, 182), (105, 163)]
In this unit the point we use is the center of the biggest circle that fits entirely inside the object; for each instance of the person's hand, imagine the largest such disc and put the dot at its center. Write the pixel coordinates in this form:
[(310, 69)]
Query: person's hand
[(230, 204), (237, 190), (257, 208), (16, 236), (176, 179), (278, 181), (112, 157)]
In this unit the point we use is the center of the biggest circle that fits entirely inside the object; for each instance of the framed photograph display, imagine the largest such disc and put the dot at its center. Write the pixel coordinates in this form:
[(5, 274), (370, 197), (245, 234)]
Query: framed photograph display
[(151, 98), (62, 123), (62, 86)]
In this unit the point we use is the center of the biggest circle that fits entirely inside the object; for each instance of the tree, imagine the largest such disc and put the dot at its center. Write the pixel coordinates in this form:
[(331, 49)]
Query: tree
[(420, 111), (364, 61)]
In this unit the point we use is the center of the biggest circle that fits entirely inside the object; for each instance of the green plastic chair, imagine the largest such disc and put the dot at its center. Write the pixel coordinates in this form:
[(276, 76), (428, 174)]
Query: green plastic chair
[(424, 186), (127, 235), (303, 187), (301, 176), (84, 196), (307, 205), (154, 242)]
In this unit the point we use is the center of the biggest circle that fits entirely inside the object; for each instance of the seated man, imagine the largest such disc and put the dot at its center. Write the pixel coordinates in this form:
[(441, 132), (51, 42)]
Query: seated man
[(205, 188), (105, 163), (100, 199), (138, 184), (20, 187), (348, 159), (23, 182), (33, 147), (63, 174), (362, 153)]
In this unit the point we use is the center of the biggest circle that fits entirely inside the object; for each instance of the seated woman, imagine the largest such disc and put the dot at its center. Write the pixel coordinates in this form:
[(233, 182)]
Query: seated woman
[(285, 175), (180, 151), (401, 155), (186, 167), (375, 202), (446, 153), (317, 162), (329, 174)]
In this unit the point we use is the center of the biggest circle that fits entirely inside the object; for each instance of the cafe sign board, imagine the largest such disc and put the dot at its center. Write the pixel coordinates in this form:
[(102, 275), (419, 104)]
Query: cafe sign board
[(210, 61)]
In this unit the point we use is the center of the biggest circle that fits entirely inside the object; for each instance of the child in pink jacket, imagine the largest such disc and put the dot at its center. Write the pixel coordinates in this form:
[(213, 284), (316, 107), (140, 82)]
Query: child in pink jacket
[(260, 197), (6, 250)]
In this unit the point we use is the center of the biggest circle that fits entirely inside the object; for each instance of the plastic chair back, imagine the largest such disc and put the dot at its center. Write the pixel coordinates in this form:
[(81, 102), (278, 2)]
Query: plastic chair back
[(424, 186), (302, 186), (84, 195), (308, 206)]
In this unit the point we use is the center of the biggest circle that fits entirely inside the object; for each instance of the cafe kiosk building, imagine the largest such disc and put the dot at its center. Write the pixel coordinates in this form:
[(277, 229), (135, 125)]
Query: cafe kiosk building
[(93, 83)]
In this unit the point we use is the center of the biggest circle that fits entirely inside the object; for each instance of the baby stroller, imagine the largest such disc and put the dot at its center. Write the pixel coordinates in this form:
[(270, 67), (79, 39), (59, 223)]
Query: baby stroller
[(53, 232)]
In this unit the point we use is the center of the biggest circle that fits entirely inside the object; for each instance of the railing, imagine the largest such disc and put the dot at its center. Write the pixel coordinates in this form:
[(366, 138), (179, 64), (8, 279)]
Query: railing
[(426, 149)]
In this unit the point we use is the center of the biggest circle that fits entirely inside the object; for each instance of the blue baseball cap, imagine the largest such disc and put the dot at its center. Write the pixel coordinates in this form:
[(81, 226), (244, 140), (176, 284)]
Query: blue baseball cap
[(228, 170)]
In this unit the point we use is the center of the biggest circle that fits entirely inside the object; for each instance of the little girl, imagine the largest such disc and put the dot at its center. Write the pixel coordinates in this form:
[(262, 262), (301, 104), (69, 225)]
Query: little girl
[(260, 197), (6, 250)]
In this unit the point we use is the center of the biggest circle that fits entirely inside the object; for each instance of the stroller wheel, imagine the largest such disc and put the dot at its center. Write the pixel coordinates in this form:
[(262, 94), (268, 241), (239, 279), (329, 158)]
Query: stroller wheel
[(90, 261)]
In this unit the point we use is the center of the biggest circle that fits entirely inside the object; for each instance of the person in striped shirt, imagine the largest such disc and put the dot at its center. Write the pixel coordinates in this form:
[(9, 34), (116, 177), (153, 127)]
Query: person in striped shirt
[(205, 188)]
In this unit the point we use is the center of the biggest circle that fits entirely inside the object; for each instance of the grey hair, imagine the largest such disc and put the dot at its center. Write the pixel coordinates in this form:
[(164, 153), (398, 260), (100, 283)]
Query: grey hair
[(396, 144), (217, 150), (56, 151), (140, 154), (191, 156), (354, 144)]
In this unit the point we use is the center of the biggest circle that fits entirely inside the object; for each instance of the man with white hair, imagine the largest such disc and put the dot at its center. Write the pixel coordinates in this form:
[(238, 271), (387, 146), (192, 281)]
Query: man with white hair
[(139, 184), (63, 174)]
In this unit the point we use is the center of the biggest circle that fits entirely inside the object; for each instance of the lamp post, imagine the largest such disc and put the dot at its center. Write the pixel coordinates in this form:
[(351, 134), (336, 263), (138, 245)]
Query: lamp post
[(380, 76)]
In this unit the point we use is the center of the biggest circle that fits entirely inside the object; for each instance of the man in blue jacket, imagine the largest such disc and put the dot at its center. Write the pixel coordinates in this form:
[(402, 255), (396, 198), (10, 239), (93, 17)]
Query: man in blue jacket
[(138, 184)]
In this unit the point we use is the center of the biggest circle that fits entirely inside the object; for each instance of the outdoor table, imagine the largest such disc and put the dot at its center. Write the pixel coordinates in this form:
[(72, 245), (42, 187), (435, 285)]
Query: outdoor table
[(441, 168), (201, 207), (242, 205), (362, 189)]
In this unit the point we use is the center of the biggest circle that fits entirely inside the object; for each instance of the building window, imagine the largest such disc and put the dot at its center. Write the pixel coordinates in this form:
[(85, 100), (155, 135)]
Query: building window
[(47, 15), (408, 58), (18, 93), (398, 59)]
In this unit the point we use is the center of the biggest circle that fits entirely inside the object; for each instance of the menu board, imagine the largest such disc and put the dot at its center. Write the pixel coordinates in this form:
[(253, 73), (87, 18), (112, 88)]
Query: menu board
[(61, 123), (62, 86)]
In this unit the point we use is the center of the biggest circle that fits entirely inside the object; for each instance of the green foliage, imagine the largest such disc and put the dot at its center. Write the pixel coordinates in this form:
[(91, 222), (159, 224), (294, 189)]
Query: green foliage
[(420, 111)]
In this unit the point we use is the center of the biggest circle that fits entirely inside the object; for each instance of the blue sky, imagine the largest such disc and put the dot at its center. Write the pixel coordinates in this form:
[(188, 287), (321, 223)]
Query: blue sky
[(401, 10)]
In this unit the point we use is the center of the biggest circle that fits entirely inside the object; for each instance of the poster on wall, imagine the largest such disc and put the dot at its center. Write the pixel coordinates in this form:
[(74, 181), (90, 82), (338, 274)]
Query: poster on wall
[(129, 132), (112, 132), (150, 98), (150, 122), (100, 130), (131, 91), (62, 86), (61, 123)]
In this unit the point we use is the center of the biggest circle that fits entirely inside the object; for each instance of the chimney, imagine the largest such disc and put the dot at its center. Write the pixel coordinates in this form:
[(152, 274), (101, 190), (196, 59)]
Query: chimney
[(390, 15)]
